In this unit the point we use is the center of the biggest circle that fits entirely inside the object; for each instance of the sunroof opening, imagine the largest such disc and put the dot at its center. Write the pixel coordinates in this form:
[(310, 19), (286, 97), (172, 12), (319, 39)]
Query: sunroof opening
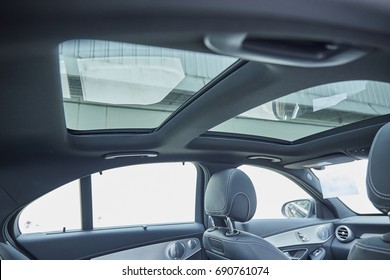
[(313, 110), (111, 85)]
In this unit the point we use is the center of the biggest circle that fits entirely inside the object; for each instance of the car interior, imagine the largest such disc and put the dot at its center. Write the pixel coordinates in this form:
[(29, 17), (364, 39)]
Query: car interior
[(178, 130)]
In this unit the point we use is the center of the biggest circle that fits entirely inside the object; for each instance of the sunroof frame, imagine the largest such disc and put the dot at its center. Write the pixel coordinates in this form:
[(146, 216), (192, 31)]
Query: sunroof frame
[(356, 101), (137, 118)]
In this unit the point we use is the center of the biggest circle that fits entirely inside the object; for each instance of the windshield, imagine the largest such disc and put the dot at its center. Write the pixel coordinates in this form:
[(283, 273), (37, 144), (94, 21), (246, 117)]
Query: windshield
[(347, 182)]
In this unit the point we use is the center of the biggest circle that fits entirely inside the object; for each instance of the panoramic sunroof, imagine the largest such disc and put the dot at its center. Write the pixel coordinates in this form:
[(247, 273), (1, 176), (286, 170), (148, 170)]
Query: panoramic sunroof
[(313, 110), (111, 85)]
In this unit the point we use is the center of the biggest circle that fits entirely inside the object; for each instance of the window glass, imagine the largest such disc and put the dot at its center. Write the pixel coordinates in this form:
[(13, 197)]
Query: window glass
[(113, 85), (273, 190), (313, 110), (347, 181), (54, 211), (144, 194)]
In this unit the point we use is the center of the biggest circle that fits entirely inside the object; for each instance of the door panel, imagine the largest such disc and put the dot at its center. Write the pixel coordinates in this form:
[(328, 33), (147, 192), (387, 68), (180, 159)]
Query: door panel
[(351, 229), (95, 243), (317, 234), (270, 227), (297, 238), (284, 233), (183, 249)]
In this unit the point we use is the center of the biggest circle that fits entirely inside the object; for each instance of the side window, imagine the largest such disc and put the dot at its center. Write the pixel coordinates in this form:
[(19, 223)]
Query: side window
[(273, 190), (54, 211), (145, 194)]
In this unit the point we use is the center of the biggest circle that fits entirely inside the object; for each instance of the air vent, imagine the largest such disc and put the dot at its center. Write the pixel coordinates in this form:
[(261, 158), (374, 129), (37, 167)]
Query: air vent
[(344, 234)]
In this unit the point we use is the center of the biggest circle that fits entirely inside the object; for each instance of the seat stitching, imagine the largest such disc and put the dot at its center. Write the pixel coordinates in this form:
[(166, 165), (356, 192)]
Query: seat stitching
[(262, 245), (372, 248), (234, 197), (278, 252), (256, 243), (374, 189), (228, 179), (371, 185)]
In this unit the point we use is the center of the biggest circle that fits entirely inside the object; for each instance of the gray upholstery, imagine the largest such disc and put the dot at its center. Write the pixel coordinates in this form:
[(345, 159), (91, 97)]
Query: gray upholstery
[(378, 176), (373, 248), (230, 194), (378, 190), (7, 252), (244, 246)]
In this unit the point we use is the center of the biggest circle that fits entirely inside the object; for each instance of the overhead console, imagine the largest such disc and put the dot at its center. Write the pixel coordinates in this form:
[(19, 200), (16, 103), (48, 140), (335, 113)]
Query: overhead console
[(302, 53)]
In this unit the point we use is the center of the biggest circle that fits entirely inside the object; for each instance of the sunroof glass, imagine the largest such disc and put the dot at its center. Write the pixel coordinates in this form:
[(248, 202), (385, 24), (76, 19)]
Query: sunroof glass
[(313, 110), (111, 85)]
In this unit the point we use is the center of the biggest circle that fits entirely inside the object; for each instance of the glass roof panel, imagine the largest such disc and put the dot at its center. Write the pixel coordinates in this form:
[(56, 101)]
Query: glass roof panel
[(313, 110), (111, 85)]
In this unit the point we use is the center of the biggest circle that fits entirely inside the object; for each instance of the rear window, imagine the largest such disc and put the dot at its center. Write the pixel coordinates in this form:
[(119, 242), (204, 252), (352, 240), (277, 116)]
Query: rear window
[(161, 193), (55, 211), (144, 195)]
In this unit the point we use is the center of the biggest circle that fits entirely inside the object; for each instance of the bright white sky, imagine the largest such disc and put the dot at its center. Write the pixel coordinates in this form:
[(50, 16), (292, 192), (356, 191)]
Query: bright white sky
[(133, 195), (349, 179)]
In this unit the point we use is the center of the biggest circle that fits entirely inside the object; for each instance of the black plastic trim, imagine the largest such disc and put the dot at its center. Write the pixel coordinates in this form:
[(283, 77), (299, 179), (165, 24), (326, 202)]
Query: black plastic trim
[(238, 136), (86, 203), (222, 76), (291, 52), (372, 122)]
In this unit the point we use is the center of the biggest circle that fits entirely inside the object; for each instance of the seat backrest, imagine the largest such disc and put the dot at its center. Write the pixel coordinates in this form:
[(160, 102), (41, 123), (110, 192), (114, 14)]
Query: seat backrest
[(378, 191), (230, 195), (378, 175)]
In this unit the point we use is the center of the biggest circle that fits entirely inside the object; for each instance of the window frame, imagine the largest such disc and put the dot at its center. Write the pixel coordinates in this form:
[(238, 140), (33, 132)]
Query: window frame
[(345, 204), (86, 208), (296, 180)]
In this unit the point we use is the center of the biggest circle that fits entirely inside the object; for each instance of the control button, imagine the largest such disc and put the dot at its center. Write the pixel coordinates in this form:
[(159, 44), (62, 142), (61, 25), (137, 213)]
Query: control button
[(302, 237), (192, 244), (176, 251), (323, 232)]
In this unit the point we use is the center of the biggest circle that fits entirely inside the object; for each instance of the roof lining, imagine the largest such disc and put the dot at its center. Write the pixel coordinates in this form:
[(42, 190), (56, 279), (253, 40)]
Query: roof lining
[(55, 148)]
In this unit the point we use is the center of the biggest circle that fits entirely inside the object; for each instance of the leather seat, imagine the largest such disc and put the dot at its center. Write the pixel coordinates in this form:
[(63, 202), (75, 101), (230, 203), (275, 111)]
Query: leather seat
[(230, 196), (378, 190)]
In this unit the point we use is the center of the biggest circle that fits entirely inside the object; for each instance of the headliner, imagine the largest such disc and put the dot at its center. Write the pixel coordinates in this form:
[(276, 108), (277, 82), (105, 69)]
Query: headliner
[(40, 154)]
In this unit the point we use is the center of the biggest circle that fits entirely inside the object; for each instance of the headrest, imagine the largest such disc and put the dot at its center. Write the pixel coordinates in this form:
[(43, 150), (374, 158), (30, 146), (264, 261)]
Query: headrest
[(230, 193), (378, 171)]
